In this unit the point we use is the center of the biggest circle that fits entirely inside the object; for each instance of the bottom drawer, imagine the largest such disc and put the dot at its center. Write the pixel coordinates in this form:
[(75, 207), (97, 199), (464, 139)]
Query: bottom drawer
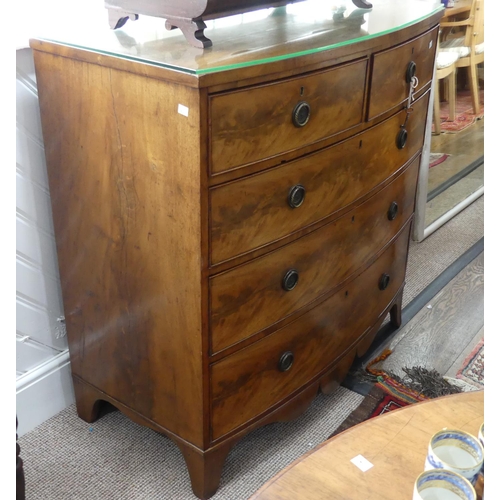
[(251, 381)]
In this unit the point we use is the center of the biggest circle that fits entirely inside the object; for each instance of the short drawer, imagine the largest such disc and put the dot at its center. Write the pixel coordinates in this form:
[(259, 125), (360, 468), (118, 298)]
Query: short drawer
[(251, 297), (392, 70), (253, 380), (257, 210), (256, 123)]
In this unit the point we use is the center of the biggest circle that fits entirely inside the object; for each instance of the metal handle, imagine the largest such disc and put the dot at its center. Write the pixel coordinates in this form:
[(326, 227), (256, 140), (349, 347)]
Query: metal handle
[(301, 114), (290, 280), (286, 361), (402, 138), (296, 195), (393, 211), (410, 71), (384, 281)]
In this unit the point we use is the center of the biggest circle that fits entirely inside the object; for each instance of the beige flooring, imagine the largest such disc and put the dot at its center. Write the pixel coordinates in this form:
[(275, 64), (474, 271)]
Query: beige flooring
[(464, 148), (444, 332), (454, 195)]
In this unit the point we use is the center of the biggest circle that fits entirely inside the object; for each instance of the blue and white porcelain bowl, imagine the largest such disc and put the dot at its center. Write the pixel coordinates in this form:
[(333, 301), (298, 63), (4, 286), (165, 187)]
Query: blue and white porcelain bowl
[(456, 451), (441, 484)]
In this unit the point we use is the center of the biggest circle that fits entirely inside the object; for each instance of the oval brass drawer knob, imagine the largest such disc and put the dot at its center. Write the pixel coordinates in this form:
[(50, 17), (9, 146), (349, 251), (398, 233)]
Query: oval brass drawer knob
[(286, 361), (384, 281), (296, 195), (410, 71), (301, 114), (290, 280), (393, 211), (401, 138)]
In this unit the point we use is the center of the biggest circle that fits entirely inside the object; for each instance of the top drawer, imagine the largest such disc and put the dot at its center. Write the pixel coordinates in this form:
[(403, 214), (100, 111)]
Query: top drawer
[(389, 83), (256, 123)]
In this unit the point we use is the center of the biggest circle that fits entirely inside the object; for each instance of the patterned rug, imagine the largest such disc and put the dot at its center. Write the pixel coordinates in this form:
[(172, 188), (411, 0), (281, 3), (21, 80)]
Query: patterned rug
[(386, 395), (472, 370), (391, 392), (437, 158), (464, 116)]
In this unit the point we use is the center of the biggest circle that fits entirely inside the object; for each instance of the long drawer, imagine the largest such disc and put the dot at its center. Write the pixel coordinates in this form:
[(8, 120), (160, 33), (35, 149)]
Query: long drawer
[(253, 380), (260, 122), (258, 294), (392, 70), (257, 210)]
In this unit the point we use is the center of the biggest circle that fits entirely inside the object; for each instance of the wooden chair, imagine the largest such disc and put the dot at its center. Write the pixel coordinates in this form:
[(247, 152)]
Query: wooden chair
[(470, 48), (445, 68)]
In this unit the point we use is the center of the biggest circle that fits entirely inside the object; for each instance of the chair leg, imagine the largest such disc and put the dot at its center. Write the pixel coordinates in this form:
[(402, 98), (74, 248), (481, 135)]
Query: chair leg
[(473, 84), (437, 112), (453, 95)]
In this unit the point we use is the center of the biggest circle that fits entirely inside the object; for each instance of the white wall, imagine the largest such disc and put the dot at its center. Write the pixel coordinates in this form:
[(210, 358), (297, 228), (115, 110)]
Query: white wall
[(43, 380), (43, 384)]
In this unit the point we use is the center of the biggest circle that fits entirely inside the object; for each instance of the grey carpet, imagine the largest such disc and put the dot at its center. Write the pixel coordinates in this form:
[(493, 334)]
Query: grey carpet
[(67, 459), (429, 258), (114, 458)]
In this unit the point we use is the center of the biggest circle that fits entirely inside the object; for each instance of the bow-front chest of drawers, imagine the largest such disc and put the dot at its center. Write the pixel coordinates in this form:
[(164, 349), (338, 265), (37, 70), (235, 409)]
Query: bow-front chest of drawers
[(232, 225)]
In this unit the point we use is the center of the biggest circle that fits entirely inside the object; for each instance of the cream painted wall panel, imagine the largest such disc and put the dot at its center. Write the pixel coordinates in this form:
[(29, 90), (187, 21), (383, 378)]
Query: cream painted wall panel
[(30, 157), (36, 322), (36, 245), (43, 377), (39, 288), (39, 307), (27, 111), (33, 203)]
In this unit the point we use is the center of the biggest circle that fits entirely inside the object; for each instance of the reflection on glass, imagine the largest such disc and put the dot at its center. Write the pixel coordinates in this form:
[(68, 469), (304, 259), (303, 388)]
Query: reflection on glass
[(246, 39)]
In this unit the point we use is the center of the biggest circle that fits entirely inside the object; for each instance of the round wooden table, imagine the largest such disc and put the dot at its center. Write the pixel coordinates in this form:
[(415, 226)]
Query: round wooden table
[(395, 444)]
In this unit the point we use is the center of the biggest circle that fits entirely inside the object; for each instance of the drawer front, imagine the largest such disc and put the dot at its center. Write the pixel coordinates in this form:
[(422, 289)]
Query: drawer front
[(257, 210), (249, 125), (258, 294), (251, 381), (389, 84)]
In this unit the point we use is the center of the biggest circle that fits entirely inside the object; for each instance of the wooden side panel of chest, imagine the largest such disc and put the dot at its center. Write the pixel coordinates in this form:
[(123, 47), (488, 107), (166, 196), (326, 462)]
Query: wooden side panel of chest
[(124, 172)]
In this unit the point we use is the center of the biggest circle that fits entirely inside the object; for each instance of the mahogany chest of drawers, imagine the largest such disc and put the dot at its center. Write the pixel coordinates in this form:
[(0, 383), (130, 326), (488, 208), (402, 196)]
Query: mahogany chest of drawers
[(231, 236)]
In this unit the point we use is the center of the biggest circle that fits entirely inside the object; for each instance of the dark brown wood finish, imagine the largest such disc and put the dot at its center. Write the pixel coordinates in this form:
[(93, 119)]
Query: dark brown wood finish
[(126, 206), (249, 382), (390, 83), (251, 297), (170, 201), (252, 124), (254, 211)]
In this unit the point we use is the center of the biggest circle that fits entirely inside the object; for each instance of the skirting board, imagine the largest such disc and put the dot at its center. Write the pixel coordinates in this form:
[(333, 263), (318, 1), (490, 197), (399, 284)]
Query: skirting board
[(43, 392)]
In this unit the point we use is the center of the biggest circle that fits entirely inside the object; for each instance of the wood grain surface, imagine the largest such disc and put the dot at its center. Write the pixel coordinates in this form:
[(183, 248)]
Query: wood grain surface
[(127, 224), (389, 85), (252, 124), (249, 382), (395, 443), (254, 211), (251, 297)]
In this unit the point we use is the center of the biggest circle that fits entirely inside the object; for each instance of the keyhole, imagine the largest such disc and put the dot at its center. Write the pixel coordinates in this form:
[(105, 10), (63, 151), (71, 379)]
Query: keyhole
[(301, 91)]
